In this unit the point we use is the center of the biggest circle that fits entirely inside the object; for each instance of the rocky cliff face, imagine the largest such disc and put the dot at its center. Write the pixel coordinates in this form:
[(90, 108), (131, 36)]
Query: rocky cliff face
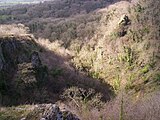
[(51, 112), (20, 67), (24, 79)]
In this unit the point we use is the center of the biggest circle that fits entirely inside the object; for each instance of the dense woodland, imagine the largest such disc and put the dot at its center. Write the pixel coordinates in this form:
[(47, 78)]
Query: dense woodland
[(58, 20), (98, 58)]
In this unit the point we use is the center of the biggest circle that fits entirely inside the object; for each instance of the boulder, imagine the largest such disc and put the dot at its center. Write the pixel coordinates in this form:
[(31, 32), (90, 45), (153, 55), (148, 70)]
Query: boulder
[(52, 112), (49, 112), (124, 20), (35, 60)]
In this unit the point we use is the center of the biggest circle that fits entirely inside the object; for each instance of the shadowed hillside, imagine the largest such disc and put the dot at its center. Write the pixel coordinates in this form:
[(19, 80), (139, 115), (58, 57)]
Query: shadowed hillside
[(31, 73), (98, 59)]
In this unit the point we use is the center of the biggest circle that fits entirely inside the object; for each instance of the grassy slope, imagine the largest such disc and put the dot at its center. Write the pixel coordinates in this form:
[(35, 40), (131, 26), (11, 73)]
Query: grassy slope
[(15, 113)]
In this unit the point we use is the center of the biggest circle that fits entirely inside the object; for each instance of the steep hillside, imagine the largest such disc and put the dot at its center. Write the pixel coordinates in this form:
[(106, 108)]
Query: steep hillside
[(100, 61), (21, 69), (32, 72), (125, 49)]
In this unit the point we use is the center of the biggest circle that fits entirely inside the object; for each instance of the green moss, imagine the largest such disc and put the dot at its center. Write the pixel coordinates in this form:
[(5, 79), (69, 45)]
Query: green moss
[(14, 113), (145, 69), (116, 83), (138, 8), (130, 81), (157, 77), (94, 75), (128, 55)]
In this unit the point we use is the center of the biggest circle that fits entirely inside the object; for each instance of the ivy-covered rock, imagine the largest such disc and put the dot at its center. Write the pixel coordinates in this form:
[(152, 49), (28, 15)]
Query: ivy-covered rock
[(21, 70)]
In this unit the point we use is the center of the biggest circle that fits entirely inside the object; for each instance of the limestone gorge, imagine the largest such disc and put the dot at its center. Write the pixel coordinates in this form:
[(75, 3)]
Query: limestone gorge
[(80, 60)]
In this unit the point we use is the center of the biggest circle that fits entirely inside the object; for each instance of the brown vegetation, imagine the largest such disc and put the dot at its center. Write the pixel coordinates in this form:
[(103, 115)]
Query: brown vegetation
[(91, 56)]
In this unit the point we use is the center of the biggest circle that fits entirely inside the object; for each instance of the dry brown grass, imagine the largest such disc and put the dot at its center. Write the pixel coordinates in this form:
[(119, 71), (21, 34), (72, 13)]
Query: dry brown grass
[(147, 108), (13, 29), (119, 61), (55, 46)]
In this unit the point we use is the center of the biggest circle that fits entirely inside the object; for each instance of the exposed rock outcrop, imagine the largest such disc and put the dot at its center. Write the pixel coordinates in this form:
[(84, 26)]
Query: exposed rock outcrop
[(35, 60), (20, 66), (50, 112), (14, 51), (124, 20)]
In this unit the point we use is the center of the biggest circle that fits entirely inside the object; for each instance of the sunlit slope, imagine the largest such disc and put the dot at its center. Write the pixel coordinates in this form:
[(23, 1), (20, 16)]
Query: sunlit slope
[(125, 48)]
